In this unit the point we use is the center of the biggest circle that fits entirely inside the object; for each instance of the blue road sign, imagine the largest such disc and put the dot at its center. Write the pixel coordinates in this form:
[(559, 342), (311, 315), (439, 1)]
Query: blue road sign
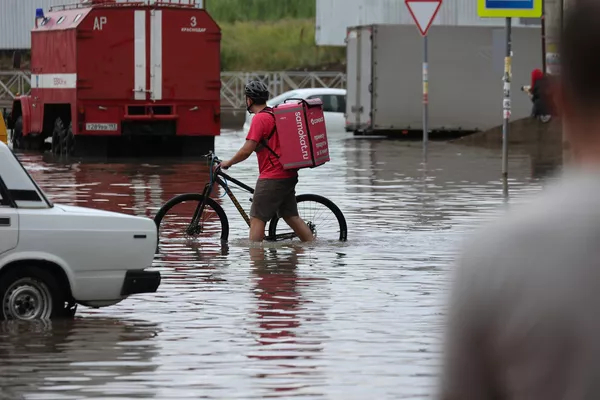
[(504, 4), (509, 8)]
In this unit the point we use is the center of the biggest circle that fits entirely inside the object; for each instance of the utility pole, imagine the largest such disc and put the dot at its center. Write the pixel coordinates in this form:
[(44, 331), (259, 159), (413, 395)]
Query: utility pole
[(554, 10), (508, 10)]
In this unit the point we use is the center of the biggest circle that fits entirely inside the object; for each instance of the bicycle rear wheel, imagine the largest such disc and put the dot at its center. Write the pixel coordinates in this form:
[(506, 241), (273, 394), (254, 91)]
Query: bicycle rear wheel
[(321, 214), (174, 219)]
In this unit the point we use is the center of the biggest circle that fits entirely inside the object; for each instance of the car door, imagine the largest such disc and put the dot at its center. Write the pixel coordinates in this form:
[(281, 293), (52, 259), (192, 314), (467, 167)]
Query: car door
[(9, 224), (332, 111)]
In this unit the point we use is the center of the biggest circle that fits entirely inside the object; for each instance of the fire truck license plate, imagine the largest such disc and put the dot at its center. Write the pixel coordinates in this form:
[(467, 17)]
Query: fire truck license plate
[(101, 127)]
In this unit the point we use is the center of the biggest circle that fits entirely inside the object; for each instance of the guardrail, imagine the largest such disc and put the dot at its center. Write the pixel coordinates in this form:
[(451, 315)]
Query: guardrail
[(232, 84)]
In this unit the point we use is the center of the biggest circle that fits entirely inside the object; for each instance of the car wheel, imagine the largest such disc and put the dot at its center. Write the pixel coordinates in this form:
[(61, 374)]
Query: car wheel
[(30, 293)]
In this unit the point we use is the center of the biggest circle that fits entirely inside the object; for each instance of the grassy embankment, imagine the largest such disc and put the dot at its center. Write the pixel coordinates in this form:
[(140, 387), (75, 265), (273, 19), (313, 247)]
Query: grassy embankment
[(262, 35), (271, 35)]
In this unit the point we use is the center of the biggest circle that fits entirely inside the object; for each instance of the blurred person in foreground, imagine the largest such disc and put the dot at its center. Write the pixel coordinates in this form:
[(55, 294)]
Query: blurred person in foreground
[(524, 317)]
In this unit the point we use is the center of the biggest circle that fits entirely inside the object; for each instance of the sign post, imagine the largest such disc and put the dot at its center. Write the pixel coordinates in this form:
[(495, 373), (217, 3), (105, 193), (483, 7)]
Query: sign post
[(508, 9), (423, 13)]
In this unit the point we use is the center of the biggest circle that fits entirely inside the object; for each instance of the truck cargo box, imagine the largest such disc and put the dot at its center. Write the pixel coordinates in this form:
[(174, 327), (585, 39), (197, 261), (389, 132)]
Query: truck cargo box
[(384, 77), (133, 69)]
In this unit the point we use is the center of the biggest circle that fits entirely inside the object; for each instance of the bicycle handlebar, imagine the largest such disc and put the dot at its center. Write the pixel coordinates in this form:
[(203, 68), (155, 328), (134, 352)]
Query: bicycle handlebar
[(213, 158)]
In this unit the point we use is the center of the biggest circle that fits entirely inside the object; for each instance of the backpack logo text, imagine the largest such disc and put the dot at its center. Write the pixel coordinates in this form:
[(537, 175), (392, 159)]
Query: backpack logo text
[(301, 135)]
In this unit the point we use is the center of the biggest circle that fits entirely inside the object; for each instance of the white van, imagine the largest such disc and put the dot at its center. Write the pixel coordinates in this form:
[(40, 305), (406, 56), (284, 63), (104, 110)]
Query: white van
[(53, 257)]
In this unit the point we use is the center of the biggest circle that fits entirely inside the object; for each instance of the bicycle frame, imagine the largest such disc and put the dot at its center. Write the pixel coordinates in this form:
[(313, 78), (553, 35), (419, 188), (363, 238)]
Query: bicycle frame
[(230, 194), (215, 178)]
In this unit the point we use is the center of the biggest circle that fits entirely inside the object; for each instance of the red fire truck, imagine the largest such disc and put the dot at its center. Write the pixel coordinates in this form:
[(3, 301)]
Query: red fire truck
[(108, 76)]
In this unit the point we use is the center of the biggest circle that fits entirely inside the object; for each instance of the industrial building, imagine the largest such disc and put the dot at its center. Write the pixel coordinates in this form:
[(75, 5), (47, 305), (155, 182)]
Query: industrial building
[(334, 16), (17, 17)]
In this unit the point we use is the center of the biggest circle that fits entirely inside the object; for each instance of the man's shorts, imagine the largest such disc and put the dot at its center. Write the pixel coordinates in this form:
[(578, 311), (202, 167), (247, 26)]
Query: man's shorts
[(274, 197)]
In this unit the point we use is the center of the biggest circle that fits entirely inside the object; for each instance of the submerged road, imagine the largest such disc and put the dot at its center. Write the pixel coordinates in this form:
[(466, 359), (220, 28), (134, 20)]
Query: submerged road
[(359, 320)]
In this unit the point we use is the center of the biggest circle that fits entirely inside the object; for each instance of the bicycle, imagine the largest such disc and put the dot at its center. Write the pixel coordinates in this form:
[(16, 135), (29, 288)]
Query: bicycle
[(197, 224)]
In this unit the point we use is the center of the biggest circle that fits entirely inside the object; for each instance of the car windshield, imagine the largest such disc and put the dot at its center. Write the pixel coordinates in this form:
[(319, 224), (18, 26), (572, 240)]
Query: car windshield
[(275, 101)]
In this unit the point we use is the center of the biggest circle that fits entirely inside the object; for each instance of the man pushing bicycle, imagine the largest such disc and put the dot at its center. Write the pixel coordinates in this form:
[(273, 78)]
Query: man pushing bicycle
[(275, 191)]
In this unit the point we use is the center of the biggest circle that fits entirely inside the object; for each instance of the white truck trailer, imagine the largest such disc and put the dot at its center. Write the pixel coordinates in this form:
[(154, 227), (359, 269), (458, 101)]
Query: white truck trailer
[(466, 67)]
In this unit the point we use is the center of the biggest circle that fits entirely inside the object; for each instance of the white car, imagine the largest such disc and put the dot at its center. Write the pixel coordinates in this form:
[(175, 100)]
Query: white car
[(334, 105), (53, 257)]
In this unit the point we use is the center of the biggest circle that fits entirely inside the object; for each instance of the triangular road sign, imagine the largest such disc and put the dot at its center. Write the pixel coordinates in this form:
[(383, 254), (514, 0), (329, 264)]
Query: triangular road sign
[(423, 12)]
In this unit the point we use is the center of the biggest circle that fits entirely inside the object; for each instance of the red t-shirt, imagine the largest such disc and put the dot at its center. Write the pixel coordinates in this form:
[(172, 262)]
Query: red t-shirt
[(269, 166)]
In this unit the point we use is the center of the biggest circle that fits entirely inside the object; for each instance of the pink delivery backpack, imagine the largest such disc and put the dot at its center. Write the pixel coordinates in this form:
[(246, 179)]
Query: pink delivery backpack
[(300, 126)]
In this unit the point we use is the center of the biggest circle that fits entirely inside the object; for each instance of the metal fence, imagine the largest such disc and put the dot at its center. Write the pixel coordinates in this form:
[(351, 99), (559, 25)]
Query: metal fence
[(13, 83), (232, 84)]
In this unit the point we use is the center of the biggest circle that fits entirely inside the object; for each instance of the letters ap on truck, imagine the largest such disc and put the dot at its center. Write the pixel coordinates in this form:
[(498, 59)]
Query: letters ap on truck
[(54, 257), (116, 78)]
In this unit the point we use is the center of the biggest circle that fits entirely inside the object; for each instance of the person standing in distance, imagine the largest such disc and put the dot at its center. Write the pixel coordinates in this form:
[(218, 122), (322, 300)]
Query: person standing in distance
[(275, 191), (523, 318)]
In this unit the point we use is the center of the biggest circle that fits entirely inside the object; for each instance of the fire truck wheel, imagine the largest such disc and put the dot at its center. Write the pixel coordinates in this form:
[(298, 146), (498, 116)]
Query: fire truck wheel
[(68, 141), (55, 142), (57, 135), (17, 136)]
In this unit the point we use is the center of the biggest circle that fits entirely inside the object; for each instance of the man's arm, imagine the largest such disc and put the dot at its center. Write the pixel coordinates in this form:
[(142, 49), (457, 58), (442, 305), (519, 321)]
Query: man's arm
[(255, 135), (241, 155)]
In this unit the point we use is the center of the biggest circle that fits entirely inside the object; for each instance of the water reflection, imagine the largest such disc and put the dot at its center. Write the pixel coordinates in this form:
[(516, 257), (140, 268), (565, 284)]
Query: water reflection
[(355, 320), (278, 322), (133, 187), (277, 296), (82, 358)]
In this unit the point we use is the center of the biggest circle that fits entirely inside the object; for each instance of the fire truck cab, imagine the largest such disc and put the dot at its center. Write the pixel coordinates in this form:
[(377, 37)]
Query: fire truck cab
[(108, 76)]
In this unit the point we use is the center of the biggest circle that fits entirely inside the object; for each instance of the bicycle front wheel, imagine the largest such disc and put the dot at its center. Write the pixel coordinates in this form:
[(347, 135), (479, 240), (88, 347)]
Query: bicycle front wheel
[(174, 219), (321, 214)]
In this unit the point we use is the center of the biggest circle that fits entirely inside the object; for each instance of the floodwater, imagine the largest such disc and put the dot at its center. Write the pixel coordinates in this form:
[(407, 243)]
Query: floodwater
[(357, 320)]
